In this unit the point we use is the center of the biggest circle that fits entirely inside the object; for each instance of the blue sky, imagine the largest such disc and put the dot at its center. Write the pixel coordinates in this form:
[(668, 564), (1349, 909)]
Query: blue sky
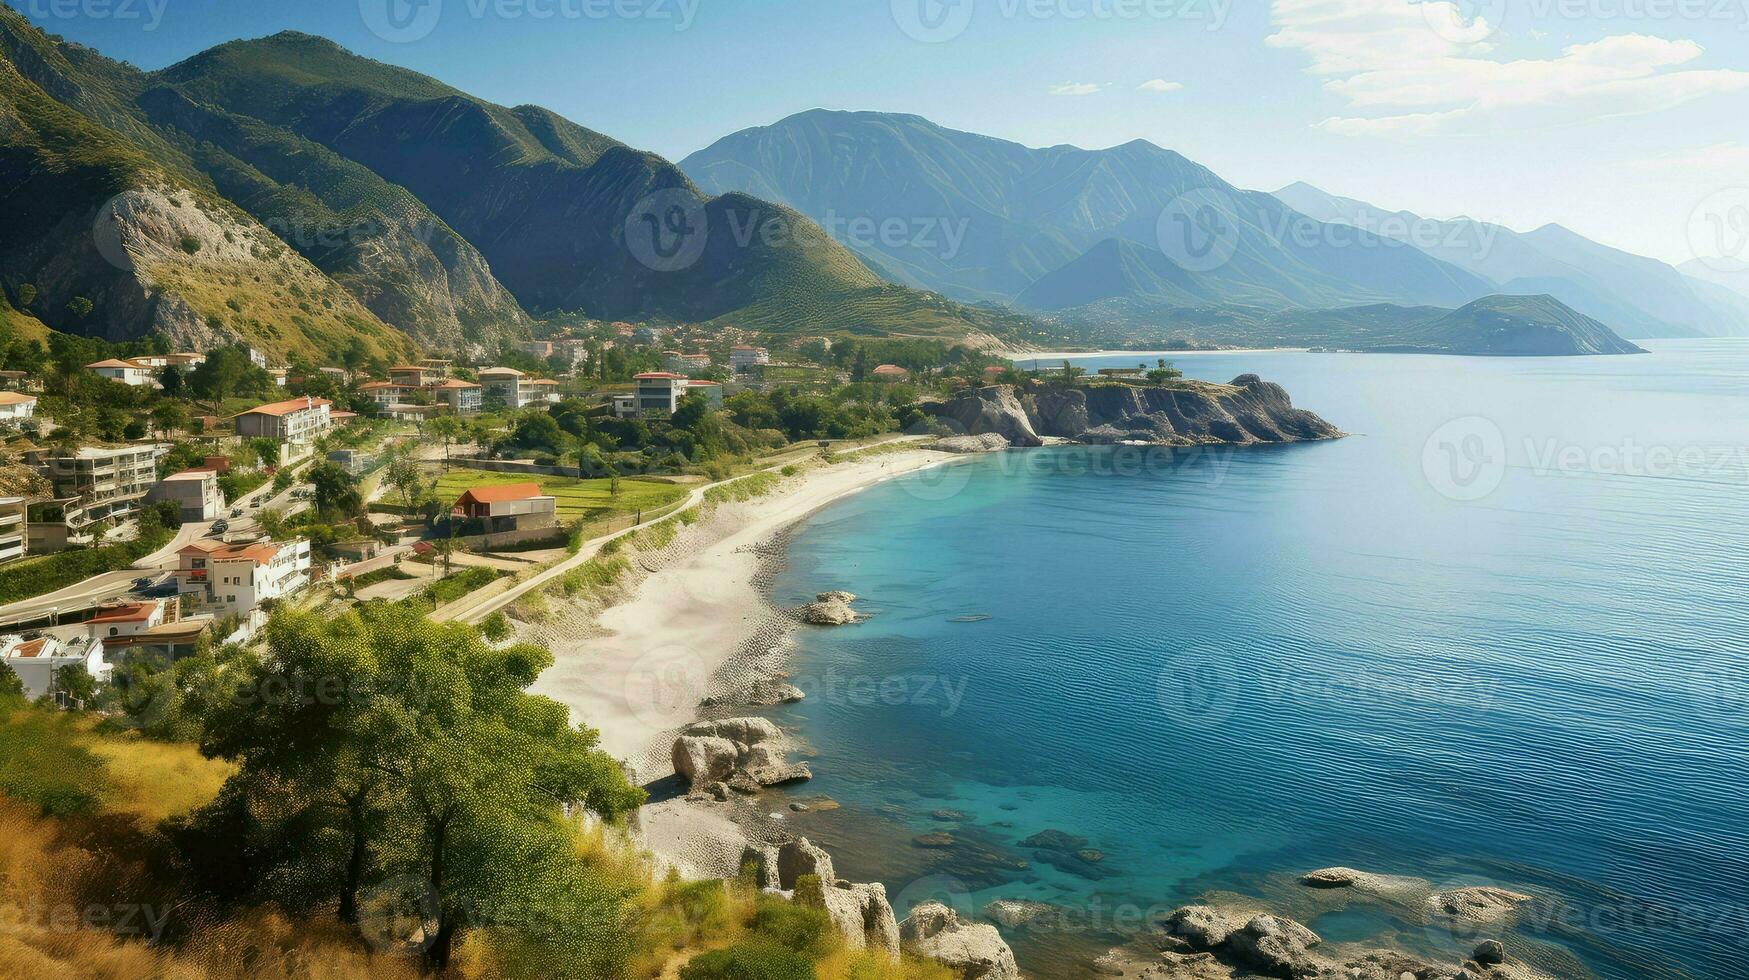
[(1621, 119)]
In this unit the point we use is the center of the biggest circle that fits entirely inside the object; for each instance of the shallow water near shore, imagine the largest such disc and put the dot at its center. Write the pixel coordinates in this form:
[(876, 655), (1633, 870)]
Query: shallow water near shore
[(1497, 636)]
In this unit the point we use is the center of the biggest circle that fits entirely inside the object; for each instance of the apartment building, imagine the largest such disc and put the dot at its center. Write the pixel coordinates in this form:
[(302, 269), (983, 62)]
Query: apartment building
[(14, 528), (297, 420), (37, 662), (225, 578), (95, 484), (659, 393), (502, 386), (744, 359), (195, 492), (462, 397), (674, 362)]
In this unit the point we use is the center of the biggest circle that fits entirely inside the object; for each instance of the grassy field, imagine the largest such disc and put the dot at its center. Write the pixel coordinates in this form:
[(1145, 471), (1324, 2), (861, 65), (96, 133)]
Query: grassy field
[(578, 499)]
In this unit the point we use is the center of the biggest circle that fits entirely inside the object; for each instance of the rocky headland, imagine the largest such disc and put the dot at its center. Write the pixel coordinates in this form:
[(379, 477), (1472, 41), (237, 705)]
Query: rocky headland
[(1249, 411)]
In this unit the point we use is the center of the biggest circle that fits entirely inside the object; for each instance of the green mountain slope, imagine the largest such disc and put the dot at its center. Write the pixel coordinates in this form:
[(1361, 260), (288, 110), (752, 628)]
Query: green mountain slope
[(561, 212), (377, 241), (118, 245), (987, 218), (1517, 325)]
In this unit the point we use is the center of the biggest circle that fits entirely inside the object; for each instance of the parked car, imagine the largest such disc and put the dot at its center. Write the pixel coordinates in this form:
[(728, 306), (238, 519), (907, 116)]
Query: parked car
[(236, 512), (220, 527)]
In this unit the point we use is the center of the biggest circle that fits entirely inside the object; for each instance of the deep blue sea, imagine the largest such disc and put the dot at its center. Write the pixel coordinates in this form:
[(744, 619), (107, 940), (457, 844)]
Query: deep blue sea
[(1498, 635)]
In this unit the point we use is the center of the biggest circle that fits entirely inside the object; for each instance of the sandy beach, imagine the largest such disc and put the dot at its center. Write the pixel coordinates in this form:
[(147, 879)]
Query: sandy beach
[(656, 655), (1028, 356)]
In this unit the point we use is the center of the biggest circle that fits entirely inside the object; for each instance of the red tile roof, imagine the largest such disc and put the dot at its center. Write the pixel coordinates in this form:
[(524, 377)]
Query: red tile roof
[(500, 494), (30, 648), (260, 553), (137, 612), (112, 363), (658, 375), (277, 409)]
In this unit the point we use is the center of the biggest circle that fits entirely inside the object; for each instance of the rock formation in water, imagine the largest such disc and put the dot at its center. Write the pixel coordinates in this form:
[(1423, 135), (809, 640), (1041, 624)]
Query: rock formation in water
[(1184, 413)]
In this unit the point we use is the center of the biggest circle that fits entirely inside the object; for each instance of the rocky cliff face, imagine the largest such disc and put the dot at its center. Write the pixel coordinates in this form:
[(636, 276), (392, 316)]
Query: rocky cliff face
[(1189, 413)]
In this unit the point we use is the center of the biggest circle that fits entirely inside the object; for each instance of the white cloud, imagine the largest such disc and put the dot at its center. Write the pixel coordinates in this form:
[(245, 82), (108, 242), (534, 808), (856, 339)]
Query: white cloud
[(1079, 88), (1410, 68), (1160, 85)]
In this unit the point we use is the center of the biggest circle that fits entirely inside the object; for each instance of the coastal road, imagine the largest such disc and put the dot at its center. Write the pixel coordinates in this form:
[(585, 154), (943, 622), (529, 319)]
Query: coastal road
[(474, 612)]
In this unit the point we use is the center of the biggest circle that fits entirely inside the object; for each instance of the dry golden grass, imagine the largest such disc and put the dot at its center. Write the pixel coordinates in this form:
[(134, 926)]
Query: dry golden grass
[(155, 780), (63, 903)]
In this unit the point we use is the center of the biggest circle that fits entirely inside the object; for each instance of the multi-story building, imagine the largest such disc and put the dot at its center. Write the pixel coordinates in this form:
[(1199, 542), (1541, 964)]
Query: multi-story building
[(14, 528), (462, 397), (659, 393), (539, 391), (502, 386), (95, 484), (385, 393), (421, 375), (195, 493), (127, 372), (228, 579), (16, 407), (298, 420), (744, 359), (356, 462)]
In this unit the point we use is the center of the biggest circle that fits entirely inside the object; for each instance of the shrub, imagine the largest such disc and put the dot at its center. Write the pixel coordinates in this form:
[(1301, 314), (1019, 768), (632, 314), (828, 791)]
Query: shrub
[(80, 307), (190, 244), (496, 627), (26, 295), (749, 961), (802, 929)]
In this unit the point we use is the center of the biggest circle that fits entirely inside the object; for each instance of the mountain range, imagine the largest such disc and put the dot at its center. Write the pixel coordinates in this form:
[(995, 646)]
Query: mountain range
[(1010, 215), (1638, 296), (288, 193), (1088, 236)]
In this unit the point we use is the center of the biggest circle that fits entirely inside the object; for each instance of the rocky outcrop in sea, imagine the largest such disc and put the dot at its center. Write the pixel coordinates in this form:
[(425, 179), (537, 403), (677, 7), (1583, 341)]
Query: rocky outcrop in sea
[(1183, 413)]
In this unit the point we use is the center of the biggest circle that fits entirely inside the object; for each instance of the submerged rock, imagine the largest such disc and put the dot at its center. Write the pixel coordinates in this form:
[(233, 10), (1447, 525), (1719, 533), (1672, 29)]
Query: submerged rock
[(1483, 904), (1055, 840), (830, 609), (1011, 913), (973, 950)]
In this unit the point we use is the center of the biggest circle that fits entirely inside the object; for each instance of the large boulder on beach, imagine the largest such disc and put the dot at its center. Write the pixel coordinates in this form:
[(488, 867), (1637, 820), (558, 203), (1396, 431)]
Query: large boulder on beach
[(701, 760), (800, 857), (988, 442), (863, 916), (766, 765), (1277, 946), (974, 951), (747, 731)]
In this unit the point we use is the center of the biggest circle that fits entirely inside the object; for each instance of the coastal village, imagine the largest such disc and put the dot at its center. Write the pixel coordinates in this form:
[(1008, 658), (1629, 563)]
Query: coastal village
[(228, 490)]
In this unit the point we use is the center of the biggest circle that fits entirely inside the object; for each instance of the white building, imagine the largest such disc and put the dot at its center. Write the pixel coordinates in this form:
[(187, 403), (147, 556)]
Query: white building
[(660, 392), (462, 397), (298, 420), (38, 661), (744, 359), (14, 528), (195, 492), (234, 579), (502, 386), (126, 619), (16, 407), (127, 372)]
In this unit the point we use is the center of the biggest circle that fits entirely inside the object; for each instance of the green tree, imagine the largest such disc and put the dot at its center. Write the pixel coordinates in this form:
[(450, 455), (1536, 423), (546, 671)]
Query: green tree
[(403, 476), (337, 496), (448, 428), (226, 372), (169, 416), (80, 307), (427, 762), (26, 295)]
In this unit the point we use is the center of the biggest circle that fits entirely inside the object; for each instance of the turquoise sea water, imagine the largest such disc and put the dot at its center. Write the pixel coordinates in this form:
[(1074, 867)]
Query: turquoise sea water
[(1497, 636)]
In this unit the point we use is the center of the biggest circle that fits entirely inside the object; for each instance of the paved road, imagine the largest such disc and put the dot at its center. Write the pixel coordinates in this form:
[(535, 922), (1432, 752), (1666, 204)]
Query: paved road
[(473, 612)]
